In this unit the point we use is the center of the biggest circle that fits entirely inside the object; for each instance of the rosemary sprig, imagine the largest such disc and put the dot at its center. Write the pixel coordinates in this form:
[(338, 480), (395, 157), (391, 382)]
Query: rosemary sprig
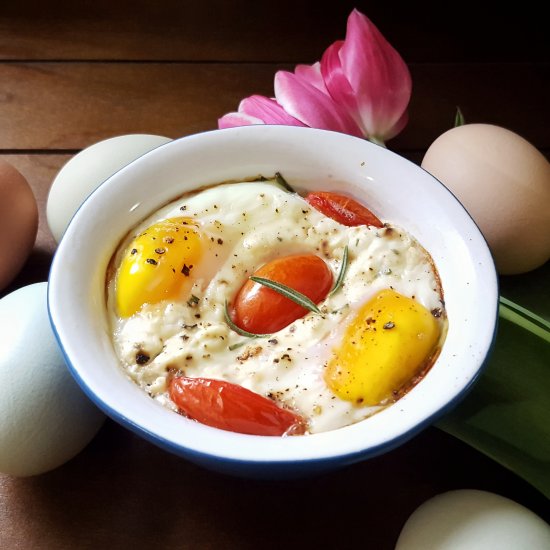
[(524, 318), (281, 181), (288, 292), (237, 329), (342, 273)]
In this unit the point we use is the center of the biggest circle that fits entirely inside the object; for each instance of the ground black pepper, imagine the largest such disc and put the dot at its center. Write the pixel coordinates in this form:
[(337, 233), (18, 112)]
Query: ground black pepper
[(142, 358)]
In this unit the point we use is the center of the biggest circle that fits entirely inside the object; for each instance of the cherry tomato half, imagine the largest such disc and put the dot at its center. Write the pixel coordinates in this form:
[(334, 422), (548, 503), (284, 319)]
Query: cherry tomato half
[(260, 310), (342, 209), (231, 407)]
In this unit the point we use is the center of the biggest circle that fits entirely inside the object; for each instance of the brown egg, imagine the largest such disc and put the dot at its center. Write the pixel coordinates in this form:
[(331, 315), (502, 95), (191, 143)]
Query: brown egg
[(18, 222), (504, 183)]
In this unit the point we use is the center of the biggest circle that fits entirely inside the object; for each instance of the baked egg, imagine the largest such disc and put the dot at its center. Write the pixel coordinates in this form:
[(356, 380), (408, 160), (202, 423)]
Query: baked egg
[(179, 290)]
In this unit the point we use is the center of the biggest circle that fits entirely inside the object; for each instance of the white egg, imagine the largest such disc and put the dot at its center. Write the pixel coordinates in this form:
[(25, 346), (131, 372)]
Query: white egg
[(90, 168), (504, 183), (473, 520), (46, 418)]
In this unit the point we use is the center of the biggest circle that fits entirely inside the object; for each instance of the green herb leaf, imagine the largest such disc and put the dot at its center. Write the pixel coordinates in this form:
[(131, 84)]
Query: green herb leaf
[(288, 292), (237, 346), (237, 329), (335, 311), (281, 181), (459, 118), (342, 273)]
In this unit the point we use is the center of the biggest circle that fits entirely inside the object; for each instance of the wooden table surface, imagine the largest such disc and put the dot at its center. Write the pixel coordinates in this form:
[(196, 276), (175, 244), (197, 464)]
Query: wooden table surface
[(74, 73)]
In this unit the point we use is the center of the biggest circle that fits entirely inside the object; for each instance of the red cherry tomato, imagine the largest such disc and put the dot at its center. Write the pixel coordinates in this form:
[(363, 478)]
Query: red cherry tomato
[(342, 209), (231, 407), (261, 310)]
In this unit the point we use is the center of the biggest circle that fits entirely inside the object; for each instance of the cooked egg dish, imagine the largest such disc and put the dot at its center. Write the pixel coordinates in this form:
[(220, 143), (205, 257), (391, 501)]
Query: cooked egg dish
[(253, 294)]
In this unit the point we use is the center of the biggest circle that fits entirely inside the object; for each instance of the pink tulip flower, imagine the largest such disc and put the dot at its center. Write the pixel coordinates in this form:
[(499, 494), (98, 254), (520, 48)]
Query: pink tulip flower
[(366, 75), (361, 87), (258, 109), (303, 94)]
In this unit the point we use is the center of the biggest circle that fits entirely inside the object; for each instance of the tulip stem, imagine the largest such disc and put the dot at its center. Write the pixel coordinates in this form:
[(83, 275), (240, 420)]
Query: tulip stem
[(377, 141), (524, 318)]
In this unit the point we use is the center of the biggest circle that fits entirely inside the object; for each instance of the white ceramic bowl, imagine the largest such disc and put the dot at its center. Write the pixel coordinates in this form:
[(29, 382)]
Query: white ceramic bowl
[(309, 159)]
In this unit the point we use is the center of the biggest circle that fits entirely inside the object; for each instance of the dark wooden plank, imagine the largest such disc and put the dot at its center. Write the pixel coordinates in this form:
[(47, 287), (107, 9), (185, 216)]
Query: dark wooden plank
[(123, 492), (103, 100), (106, 99), (288, 31), (514, 96)]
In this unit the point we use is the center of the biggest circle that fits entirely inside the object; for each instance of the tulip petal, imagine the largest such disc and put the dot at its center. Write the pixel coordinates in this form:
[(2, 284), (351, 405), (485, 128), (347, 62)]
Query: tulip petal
[(338, 85), (258, 109), (231, 120), (397, 127), (377, 74), (312, 75), (311, 106), (268, 110), (360, 87)]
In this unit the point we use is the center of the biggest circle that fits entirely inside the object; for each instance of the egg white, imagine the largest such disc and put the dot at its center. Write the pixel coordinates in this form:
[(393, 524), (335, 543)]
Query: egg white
[(246, 225)]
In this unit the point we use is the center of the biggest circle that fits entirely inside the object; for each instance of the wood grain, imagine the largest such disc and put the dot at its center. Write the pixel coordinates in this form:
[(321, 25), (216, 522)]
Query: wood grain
[(101, 100), (288, 31), (74, 73), (123, 492)]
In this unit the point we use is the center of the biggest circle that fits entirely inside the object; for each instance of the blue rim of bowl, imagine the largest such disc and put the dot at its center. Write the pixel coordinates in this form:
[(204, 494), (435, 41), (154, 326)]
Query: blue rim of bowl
[(235, 465)]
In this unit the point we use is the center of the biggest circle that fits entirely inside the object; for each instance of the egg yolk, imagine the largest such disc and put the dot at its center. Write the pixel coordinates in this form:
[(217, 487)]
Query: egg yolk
[(388, 342), (157, 264)]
